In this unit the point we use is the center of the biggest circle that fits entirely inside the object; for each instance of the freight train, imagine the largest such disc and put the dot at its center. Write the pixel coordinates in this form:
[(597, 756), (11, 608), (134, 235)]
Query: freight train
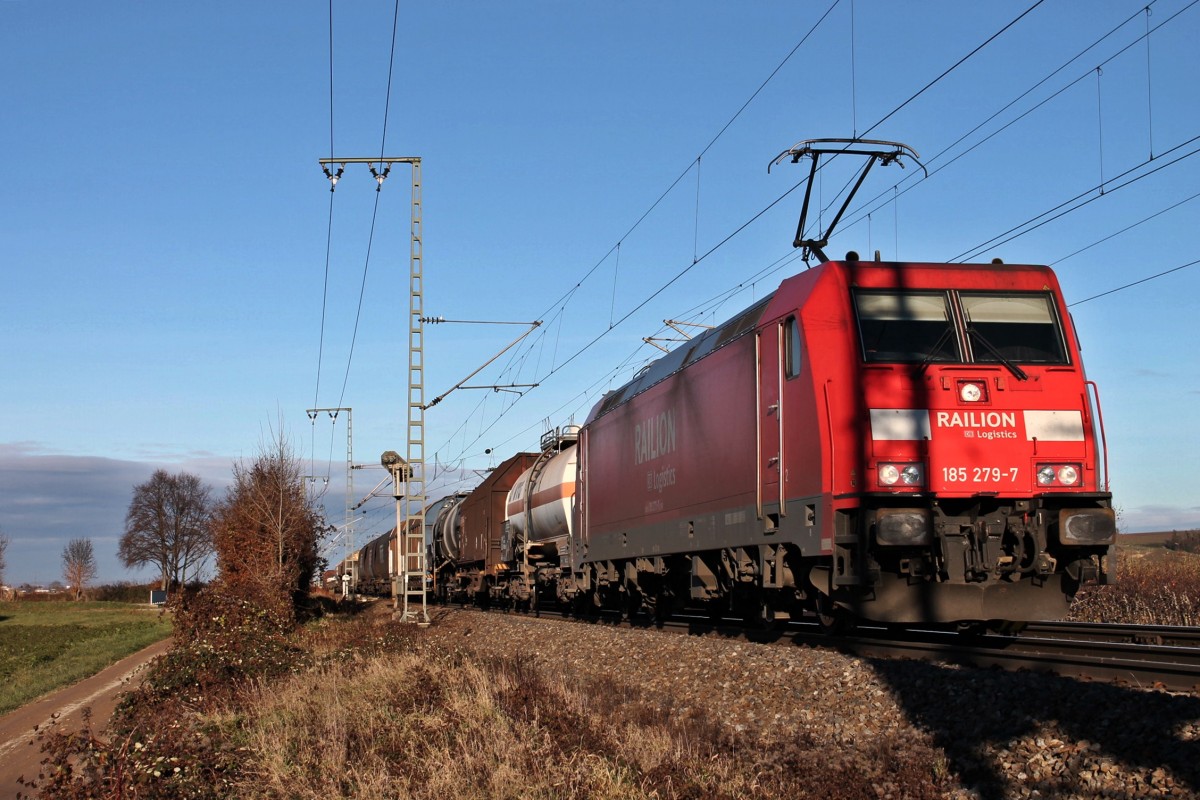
[(898, 442)]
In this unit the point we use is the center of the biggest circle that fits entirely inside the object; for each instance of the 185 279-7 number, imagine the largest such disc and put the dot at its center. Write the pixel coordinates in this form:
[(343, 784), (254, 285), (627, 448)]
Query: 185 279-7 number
[(979, 474)]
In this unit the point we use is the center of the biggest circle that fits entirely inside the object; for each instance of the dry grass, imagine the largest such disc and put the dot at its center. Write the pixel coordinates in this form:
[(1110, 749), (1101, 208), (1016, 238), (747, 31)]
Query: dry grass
[(423, 718), (433, 724), (360, 707), (393, 712), (1153, 587)]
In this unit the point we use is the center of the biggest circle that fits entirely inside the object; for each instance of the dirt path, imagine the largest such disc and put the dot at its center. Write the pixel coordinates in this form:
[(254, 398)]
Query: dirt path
[(20, 755)]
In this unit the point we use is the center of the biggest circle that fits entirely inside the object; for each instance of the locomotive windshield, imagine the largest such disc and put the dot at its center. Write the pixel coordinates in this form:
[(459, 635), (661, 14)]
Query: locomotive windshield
[(1005, 328), (907, 326), (1022, 328)]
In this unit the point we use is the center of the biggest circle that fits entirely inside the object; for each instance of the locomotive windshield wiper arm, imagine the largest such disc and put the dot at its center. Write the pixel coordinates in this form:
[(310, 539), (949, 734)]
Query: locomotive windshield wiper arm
[(1017, 372), (933, 351)]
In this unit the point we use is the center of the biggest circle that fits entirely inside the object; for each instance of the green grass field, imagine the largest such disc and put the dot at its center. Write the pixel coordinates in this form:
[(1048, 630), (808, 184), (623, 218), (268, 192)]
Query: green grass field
[(48, 645)]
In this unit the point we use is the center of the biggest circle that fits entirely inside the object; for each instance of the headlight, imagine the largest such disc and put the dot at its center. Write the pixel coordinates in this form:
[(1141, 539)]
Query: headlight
[(1087, 526), (1058, 474), (902, 474), (971, 391), (900, 527)]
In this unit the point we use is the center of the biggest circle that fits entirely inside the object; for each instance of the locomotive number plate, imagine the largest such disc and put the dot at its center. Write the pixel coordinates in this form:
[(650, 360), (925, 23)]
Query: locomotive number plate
[(980, 474)]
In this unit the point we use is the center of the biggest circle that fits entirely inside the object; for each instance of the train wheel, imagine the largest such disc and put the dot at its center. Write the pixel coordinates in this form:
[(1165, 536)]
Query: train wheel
[(633, 602), (970, 628), (759, 616), (586, 605), (833, 619), (664, 606)]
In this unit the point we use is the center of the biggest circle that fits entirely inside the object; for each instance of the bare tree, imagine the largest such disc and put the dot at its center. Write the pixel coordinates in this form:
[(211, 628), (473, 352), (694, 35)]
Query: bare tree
[(3, 550), (266, 531), (79, 565), (168, 525)]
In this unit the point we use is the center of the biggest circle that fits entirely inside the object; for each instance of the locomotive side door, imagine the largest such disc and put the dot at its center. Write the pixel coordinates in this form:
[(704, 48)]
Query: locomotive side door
[(770, 348)]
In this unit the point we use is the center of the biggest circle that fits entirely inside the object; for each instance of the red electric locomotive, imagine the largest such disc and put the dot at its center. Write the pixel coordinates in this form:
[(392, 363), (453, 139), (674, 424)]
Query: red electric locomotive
[(908, 442), (898, 442)]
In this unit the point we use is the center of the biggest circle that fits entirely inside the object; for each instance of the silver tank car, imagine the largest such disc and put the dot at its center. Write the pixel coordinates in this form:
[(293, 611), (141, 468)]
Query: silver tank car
[(447, 530), (539, 506)]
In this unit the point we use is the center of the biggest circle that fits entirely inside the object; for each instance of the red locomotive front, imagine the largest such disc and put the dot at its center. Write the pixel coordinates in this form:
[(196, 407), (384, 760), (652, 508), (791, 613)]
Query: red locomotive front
[(970, 483)]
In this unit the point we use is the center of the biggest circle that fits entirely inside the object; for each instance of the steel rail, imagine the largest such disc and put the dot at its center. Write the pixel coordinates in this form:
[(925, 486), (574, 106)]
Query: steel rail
[(1179, 635), (1148, 665)]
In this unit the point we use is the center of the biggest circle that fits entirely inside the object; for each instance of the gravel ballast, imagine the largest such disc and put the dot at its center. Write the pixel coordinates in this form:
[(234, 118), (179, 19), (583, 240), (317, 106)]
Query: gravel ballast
[(996, 734)]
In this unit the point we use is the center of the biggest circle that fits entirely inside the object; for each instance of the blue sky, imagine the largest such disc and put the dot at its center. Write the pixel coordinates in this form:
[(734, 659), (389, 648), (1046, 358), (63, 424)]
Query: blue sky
[(164, 226)]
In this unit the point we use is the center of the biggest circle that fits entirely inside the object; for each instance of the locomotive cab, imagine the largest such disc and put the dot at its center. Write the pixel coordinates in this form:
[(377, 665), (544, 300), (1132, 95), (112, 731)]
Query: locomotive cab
[(973, 486)]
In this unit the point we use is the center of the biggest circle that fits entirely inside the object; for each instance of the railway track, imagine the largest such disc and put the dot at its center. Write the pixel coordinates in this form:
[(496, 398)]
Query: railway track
[(1178, 636), (1122, 655), (1150, 656)]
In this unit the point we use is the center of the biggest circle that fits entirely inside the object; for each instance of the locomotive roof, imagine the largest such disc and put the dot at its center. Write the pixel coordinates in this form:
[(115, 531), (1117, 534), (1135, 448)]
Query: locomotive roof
[(687, 353), (742, 323)]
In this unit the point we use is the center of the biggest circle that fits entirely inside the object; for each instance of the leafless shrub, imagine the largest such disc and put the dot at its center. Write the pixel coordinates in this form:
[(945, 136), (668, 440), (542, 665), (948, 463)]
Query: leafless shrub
[(266, 531)]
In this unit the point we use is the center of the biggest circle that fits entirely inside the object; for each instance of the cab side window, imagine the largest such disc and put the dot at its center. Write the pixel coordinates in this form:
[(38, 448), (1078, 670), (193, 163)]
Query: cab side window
[(792, 347)]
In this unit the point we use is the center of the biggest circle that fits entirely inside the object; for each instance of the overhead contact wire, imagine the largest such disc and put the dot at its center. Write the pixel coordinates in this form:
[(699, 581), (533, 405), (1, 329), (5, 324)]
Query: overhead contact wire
[(955, 66), (362, 289), (329, 227), (1135, 283), (375, 211), (1021, 229), (387, 103), (777, 200), (560, 304), (328, 251), (918, 179), (930, 85), (707, 147), (556, 367)]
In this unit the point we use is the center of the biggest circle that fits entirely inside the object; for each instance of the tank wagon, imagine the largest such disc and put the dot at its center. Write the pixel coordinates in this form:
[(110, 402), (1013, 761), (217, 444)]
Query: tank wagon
[(469, 536), (373, 566), (541, 518)]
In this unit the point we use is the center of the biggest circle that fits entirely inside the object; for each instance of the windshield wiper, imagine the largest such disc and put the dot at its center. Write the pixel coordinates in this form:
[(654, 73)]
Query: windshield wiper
[(1017, 372), (936, 349)]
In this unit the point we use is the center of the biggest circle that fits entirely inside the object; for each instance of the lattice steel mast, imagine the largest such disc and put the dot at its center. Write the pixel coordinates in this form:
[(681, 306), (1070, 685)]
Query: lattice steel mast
[(408, 586)]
